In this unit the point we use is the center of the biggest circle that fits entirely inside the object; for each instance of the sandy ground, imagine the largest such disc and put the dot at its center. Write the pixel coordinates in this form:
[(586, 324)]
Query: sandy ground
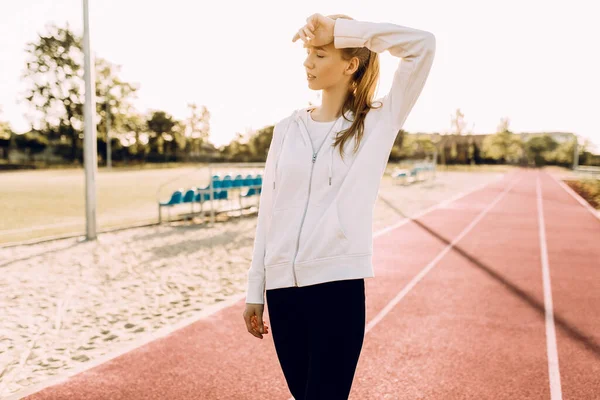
[(67, 302)]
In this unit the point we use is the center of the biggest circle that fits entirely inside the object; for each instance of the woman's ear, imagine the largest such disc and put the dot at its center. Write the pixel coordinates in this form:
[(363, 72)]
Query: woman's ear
[(352, 66)]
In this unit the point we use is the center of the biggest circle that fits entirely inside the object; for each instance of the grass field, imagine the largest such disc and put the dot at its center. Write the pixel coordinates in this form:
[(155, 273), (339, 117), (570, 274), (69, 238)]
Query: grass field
[(52, 202)]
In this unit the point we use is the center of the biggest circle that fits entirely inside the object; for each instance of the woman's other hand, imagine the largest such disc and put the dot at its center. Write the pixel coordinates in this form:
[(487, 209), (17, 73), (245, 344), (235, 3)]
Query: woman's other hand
[(252, 314)]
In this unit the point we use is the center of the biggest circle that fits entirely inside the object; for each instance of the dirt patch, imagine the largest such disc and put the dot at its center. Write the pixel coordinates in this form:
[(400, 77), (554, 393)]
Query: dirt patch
[(589, 189)]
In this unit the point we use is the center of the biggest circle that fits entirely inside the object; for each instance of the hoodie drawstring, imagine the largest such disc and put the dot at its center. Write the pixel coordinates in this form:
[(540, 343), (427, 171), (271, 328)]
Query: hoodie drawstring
[(331, 150)]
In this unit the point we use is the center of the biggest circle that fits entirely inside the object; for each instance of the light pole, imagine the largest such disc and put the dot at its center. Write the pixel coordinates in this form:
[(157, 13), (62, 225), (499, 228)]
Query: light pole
[(575, 153), (90, 155), (108, 151)]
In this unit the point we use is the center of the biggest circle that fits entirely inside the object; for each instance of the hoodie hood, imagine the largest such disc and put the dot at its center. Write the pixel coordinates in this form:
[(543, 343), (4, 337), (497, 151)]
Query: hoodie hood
[(300, 118)]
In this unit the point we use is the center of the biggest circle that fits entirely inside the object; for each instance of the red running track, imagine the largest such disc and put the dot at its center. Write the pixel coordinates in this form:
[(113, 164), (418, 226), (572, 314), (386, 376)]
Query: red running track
[(457, 310)]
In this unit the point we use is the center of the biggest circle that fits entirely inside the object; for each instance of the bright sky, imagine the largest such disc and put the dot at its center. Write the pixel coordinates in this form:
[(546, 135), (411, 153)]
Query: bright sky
[(534, 61)]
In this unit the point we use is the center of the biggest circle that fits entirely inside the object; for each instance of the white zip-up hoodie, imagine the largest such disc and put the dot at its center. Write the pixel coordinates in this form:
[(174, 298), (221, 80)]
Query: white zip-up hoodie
[(316, 210)]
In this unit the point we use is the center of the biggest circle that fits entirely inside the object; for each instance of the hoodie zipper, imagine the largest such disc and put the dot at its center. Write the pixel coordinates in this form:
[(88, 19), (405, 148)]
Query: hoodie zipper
[(314, 158), (312, 165)]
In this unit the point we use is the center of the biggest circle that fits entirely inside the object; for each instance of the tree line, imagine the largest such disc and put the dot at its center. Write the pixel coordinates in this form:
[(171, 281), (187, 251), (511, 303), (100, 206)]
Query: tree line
[(502, 147), (54, 94)]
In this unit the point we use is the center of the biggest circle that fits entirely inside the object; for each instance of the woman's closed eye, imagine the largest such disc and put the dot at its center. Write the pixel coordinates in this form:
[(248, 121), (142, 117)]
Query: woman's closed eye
[(318, 56)]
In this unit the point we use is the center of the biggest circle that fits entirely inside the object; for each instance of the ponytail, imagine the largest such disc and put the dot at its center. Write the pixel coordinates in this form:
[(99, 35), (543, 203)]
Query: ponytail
[(361, 91)]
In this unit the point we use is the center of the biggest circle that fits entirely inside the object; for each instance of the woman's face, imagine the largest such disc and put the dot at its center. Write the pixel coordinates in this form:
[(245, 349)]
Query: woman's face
[(324, 67)]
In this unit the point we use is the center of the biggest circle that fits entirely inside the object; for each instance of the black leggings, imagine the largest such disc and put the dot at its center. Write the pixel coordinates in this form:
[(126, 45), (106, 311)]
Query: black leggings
[(318, 332)]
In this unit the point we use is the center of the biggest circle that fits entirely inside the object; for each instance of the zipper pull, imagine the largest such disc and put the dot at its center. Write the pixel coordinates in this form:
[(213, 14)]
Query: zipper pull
[(314, 158)]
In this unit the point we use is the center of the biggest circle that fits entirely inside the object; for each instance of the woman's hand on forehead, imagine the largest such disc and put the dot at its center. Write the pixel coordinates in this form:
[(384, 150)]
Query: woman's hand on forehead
[(317, 32)]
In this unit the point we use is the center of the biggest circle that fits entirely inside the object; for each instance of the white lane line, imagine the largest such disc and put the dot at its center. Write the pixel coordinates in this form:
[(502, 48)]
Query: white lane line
[(553, 370), (434, 262)]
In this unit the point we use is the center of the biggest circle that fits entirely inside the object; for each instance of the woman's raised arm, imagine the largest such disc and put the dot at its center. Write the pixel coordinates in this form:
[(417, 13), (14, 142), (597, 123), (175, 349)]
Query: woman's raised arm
[(414, 47)]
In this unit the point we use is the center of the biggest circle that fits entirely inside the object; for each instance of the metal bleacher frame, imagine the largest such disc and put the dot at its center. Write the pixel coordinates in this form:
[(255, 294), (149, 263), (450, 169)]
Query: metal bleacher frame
[(419, 171), (218, 188)]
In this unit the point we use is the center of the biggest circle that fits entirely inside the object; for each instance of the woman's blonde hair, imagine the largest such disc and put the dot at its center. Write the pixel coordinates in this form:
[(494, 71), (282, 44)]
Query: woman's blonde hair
[(362, 90)]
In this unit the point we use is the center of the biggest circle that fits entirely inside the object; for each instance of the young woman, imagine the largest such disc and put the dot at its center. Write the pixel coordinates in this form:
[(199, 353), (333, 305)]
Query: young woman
[(313, 245)]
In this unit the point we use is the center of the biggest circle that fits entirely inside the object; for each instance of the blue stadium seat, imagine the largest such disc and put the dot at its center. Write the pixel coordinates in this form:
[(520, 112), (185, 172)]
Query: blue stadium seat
[(226, 183), (176, 198), (238, 181), (248, 180)]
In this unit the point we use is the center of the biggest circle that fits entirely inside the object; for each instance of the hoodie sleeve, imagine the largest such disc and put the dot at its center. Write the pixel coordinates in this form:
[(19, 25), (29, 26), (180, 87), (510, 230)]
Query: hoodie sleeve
[(415, 48), (256, 272)]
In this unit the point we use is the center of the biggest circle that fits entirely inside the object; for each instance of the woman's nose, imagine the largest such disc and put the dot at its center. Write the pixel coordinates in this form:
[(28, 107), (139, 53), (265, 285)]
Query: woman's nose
[(307, 64)]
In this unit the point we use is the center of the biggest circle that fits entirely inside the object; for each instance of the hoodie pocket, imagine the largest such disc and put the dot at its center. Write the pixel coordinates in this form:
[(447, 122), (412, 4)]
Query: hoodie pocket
[(357, 224), (340, 228), (281, 236), (328, 238)]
